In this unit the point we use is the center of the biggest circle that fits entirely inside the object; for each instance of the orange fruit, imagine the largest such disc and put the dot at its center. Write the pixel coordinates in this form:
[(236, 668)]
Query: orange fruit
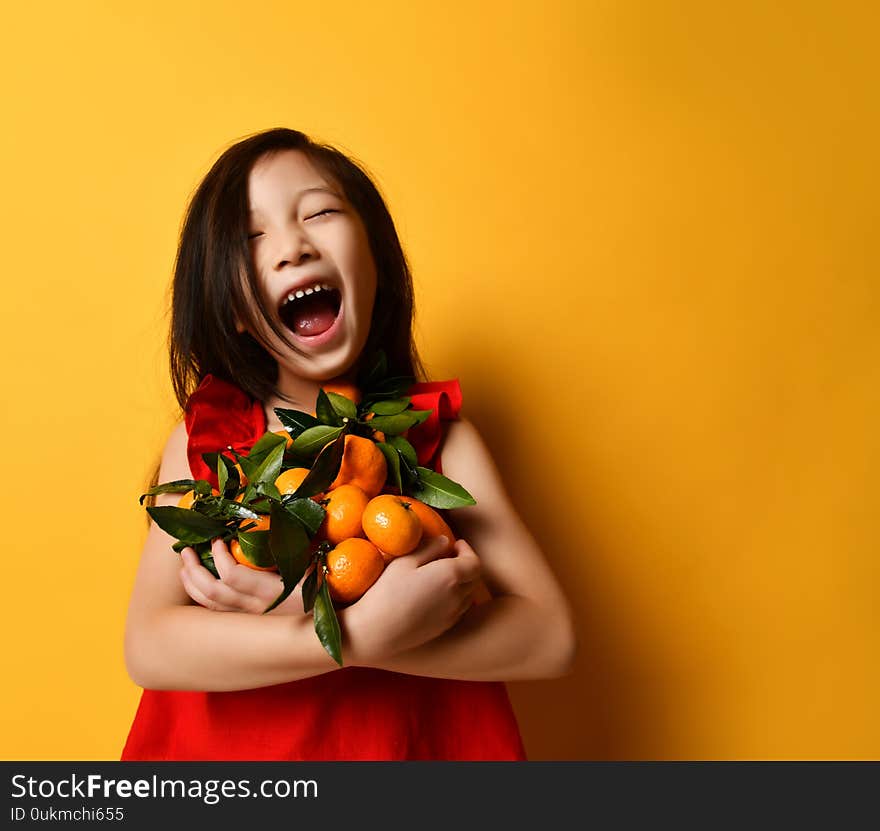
[(350, 391), (262, 524), (291, 479), (363, 464), (391, 524), (433, 525), (345, 506), (352, 567), (286, 435), (241, 477)]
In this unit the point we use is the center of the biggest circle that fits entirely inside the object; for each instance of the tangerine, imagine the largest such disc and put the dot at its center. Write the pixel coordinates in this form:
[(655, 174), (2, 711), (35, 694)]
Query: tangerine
[(286, 436), (363, 464), (345, 506), (433, 525), (352, 567), (238, 554), (391, 524), (344, 388), (291, 479)]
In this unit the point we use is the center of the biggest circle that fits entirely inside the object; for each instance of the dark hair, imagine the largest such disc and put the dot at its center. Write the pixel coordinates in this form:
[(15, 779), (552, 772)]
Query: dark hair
[(208, 291)]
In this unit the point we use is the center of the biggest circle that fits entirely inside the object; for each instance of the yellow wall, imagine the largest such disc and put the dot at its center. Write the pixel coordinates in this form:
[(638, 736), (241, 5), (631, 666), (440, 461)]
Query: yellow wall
[(644, 238)]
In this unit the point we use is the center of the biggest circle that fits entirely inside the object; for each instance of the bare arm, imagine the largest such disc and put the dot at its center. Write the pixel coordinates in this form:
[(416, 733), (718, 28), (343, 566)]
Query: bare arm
[(223, 642), (172, 643), (526, 631)]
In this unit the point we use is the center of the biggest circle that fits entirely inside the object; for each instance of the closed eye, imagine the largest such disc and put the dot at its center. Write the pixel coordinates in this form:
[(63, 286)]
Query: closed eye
[(325, 211)]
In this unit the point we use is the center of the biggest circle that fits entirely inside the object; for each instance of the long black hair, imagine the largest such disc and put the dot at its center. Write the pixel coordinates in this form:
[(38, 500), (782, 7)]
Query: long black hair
[(214, 277)]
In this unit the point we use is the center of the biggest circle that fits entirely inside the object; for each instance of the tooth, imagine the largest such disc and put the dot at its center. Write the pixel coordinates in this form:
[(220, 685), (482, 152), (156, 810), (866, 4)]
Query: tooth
[(300, 293), (309, 291), (290, 297), (325, 286), (318, 287)]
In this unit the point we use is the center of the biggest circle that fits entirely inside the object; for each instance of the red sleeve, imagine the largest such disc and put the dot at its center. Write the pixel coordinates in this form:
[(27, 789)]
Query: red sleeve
[(218, 415), (444, 399)]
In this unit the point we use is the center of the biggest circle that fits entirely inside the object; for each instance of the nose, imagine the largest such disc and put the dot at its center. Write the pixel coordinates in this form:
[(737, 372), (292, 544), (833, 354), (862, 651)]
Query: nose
[(295, 248)]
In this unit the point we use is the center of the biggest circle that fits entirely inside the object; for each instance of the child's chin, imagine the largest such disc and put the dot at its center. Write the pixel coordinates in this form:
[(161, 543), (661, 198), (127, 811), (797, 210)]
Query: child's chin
[(325, 361)]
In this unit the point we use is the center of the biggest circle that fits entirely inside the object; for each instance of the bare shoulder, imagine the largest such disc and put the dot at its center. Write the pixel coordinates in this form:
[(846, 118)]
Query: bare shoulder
[(466, 459), (175, 464)]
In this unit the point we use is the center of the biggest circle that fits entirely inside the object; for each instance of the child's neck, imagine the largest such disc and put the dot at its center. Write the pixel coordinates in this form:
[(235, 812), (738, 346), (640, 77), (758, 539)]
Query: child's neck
[(297, 393)]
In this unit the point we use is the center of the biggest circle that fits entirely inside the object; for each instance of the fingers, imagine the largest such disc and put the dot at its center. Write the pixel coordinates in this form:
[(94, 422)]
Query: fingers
[(223, 560), (194, 591), (427, 551), (206, 590), (464, 563), (262, 584)]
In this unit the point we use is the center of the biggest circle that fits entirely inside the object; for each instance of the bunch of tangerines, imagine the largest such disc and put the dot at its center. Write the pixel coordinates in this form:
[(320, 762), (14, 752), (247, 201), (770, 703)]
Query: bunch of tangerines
[(334, 496)]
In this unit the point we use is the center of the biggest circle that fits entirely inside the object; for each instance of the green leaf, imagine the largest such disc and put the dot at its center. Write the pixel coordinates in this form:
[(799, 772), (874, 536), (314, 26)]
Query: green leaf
[(310, 589), (295, 421), (265, 445), (344, 407), (269, 489), (222, 475), (325, 412), (289, 544), (250, 467), (327, 624), (409, 475), (203, 488), (392, 406), (205, 555), (311, 441), (186, 525), (207, 560), (394, 425), (255, 547), (218, 507), (212, 460), (405, 449), (440, 492), (419, 415), (270, 468), (392, 457), (177, 486), (325, 468), (307, 511)]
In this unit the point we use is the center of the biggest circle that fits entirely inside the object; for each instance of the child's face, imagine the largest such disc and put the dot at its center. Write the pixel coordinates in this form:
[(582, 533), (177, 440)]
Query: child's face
[(315, 268)]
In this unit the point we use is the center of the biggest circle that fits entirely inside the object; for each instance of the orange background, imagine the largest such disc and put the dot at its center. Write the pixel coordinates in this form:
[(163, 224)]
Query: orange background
[(644, 238)]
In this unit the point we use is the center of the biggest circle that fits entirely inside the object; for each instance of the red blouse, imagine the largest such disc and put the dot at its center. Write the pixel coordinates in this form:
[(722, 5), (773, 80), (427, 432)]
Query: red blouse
[(353, 713)]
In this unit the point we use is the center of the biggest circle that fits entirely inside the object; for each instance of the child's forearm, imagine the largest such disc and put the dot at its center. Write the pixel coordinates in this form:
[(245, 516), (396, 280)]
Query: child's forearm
[(507, 639), (192, 648)]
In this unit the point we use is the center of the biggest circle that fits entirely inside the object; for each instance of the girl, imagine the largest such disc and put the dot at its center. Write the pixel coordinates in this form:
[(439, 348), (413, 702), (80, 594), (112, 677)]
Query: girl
[(276, 216)]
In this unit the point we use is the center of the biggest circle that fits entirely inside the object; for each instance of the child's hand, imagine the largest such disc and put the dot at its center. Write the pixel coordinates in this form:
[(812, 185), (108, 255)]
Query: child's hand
[(418, 597), (239, 589)]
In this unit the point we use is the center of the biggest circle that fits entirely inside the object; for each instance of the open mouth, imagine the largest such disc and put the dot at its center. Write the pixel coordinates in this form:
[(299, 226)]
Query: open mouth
[(310, 310)]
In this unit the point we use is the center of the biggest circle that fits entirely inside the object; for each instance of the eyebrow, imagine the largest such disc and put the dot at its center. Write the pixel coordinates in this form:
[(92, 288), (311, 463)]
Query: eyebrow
[(320, 189)]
